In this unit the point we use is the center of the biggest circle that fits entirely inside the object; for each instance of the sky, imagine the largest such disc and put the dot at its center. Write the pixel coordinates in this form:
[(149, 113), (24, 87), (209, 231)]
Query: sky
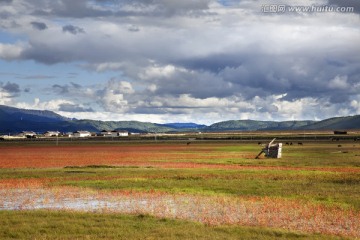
[(165, 61)]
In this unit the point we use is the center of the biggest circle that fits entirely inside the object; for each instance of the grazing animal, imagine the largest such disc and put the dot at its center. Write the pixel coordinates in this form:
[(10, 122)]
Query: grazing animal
[(291, 143), (300, 143), (188, 143), (259, 143), (339, 145), (286, 143)]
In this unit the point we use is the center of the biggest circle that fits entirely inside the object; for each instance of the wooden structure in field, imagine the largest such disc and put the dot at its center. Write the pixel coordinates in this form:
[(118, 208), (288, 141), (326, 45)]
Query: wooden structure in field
[(271, 150)]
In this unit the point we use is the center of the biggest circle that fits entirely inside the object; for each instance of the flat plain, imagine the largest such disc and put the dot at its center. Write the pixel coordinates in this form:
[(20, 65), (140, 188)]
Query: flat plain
[(174, 190)]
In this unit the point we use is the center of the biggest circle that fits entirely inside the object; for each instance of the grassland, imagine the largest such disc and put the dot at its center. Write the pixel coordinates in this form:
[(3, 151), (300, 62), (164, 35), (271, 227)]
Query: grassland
[(72, 225), (319, 179)]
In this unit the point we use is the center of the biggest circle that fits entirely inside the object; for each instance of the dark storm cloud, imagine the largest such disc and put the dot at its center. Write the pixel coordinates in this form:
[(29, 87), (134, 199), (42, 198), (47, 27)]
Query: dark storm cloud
[(39, 25), (68, 8), (11, 87), (66, 89), (67, 107), (214, 63), (299, 75), (60, 89), (5, 1), (125, 8), (46, 54), (272, 75), (170, 7), (203, 84), (5, 14), (73, 29)]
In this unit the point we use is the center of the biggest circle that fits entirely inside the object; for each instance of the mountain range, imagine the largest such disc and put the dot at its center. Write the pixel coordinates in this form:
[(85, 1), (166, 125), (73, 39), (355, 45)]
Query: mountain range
[(14, 120)]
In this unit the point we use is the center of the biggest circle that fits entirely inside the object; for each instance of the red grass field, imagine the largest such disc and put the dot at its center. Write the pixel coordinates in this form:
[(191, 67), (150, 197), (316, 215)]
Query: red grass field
[(157, 155)]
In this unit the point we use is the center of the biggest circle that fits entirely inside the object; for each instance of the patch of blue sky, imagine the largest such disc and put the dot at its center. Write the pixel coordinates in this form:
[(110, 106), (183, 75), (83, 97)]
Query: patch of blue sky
[(8, 38), (228, 3), (106, 5), (25, 72)]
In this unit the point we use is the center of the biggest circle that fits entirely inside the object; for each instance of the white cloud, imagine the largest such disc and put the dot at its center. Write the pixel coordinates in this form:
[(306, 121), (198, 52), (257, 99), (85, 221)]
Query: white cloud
[(339, 82), (5, 97), (10, 51), (153, 72)]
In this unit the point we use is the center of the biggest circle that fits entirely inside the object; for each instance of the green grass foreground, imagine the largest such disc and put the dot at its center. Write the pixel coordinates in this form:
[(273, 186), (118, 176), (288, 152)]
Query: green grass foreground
[(74, 225)]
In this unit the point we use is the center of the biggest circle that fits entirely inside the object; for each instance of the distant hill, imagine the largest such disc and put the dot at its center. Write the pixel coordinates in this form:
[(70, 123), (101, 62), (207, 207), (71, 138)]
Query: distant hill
[(14, 120), (184, 125), (253, 125), (17, 114), (350, 122), (132, 126)]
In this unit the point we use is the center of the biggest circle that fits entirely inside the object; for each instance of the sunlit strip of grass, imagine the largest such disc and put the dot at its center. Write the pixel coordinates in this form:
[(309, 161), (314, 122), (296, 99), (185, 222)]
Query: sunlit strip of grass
[(313, 155), (74, 225), (333, 189), (326, 187)]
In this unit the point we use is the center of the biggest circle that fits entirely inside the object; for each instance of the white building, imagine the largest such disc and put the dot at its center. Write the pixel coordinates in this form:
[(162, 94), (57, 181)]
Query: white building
[(28, 134), (106, 133), (119, 133), (123, 133), (82, 134), (51, 133), (69, 134)]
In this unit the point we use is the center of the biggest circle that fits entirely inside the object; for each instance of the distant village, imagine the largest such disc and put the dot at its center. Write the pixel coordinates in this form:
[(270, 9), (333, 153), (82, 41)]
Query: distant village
[(76, 134)]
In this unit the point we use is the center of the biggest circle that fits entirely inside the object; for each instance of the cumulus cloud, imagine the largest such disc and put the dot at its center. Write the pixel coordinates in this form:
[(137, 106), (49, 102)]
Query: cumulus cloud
[(10, 51), (112, 96), (58, 105), (339, 82), (5, 97)]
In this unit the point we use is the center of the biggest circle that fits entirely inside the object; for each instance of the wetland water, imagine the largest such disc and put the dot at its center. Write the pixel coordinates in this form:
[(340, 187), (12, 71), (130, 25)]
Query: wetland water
[(268, 212)]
